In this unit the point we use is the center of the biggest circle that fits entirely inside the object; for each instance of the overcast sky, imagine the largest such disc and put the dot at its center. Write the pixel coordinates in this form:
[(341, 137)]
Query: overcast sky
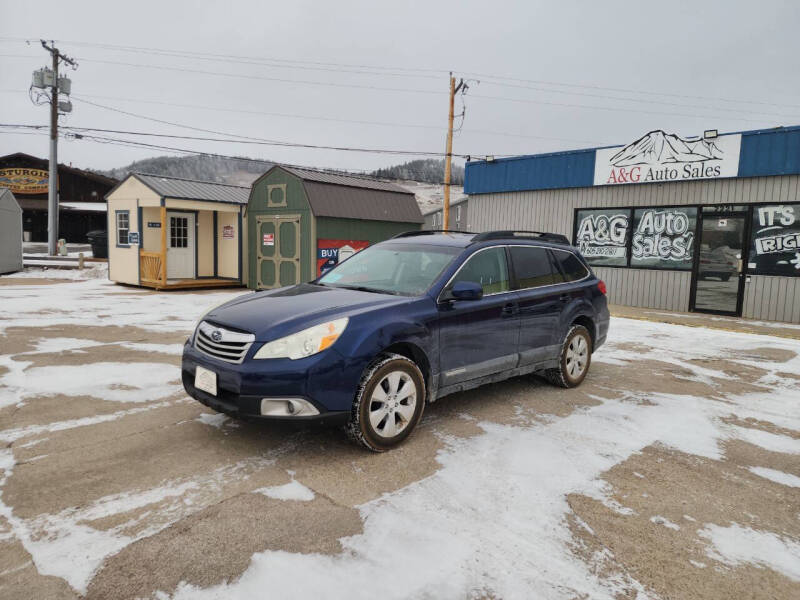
[(553, 75)]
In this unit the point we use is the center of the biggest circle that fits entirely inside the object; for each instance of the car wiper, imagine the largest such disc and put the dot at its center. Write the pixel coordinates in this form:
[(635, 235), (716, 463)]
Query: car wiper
[(363, 288)]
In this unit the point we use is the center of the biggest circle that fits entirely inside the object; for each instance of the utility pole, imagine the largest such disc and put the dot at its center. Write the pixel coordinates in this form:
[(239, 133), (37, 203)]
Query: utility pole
[(449, 154), (52, 184)]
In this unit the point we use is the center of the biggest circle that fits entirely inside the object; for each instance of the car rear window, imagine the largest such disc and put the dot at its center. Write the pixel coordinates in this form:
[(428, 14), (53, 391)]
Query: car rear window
[(532, 266), (570, 265)]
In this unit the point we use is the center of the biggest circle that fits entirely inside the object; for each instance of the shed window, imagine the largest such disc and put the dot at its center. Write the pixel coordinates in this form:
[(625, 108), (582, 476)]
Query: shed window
[(775, 240), (123, 227), (178, 232), (276, 195)]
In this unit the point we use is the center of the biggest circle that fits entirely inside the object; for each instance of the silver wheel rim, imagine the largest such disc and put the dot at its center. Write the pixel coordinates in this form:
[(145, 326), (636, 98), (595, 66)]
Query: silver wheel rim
[(392, 404), (577, 356)]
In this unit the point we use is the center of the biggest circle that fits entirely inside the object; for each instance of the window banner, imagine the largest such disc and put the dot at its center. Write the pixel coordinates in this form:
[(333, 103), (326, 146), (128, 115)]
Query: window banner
[(331, 252), (602, 236), (775, 243), (659, 157), (663, 237)]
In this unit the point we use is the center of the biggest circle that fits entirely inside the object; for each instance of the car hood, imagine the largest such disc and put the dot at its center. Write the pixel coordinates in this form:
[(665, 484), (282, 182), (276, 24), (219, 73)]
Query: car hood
[(275, 313)]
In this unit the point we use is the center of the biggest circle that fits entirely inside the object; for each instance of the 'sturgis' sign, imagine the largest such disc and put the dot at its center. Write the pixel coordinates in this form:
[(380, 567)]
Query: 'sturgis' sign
[(776, 239), (659, 157), (25, 181)]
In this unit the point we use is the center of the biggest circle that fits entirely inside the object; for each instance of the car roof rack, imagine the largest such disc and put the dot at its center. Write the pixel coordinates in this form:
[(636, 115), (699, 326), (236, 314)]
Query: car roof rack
[(544, 236), (428, 232)]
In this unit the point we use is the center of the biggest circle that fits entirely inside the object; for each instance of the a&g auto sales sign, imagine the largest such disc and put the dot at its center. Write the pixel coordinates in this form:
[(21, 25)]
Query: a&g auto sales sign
[(659, 157)]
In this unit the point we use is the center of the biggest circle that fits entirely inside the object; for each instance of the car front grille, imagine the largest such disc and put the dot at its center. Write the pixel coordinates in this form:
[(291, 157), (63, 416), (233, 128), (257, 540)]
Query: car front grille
[(223, 344)]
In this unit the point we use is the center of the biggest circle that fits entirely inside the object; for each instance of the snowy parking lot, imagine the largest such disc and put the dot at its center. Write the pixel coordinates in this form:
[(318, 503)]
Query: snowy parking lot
[(672, 472)]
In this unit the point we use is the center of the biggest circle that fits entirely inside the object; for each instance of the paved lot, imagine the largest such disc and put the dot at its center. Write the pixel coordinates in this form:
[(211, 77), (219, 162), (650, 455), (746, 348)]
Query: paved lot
[(673, 472)]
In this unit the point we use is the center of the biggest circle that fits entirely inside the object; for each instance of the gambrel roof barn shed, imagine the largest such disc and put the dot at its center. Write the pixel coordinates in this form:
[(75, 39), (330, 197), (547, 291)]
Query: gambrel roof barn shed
[(302, 222)]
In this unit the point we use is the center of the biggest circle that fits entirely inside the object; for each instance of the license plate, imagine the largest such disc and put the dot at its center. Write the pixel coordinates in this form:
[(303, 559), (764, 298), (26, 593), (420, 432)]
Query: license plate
[(205, 380)]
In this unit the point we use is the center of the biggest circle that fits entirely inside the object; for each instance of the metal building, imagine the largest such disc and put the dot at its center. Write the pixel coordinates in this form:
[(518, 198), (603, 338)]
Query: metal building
[(434, 219), (10, 233), (301, 223), (707, 224)]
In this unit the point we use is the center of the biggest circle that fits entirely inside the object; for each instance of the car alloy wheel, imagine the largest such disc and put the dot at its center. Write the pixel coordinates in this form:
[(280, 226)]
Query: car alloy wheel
[(389, 403), (577, 357), (392, 404), (574, 359)]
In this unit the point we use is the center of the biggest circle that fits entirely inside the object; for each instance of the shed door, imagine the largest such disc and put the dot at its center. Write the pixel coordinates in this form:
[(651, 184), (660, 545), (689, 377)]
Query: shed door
[(180, 245), (278, 251)]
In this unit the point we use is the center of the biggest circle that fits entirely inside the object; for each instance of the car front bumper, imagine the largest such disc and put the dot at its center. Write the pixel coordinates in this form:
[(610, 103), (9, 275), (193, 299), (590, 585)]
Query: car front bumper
[(327, 381)]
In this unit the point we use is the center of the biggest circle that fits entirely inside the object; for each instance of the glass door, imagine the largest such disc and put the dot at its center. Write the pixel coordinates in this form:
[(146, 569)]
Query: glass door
[(718, 279)]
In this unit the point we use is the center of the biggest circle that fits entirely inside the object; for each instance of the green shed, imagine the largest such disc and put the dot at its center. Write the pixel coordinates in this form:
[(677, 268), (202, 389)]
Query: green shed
[(301, 223)]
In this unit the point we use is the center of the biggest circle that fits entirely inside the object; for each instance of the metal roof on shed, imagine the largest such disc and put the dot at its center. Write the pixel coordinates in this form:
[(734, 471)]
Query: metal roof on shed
[(347, 197), (344, 202), (190, 189), (763, 152)]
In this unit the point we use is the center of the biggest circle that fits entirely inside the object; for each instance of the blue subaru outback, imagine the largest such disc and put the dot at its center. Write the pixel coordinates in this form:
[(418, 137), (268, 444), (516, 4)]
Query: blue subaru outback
[(400, 324)]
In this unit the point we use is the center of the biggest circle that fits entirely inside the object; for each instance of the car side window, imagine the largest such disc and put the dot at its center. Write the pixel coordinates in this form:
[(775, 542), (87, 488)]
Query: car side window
[(571, 266), (489, 268), (532, 267)]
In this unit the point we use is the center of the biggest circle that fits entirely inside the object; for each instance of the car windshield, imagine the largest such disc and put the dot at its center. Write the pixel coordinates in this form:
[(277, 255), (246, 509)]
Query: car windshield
[(400, 269)]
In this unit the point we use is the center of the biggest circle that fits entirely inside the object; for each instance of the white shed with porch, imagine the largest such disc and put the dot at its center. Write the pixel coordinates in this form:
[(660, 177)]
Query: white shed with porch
[(168, 232)]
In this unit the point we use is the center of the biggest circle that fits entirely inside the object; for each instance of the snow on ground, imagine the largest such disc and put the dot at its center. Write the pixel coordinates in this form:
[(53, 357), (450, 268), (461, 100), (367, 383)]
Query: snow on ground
[(493, 517), (459, 530), (735, 545), (98, 302), (49, 270), (294, 490), (777, 476)]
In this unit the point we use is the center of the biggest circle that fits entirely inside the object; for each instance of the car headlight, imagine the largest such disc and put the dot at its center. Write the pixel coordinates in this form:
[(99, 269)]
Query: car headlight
[(304, 343)]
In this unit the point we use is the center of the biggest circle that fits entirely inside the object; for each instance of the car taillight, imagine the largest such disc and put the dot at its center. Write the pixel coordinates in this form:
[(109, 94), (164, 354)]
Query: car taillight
[(601, 286)]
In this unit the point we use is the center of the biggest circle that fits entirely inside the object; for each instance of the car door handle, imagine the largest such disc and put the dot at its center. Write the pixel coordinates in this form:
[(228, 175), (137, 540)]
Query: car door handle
[(509, 309), (564, 297)]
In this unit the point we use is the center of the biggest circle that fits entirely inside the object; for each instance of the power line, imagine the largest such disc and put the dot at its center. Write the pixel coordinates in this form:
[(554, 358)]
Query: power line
[(666, 103), (387, 71), (192, 53), (633, 91), (259, 77), (237, 141), (613, 108)]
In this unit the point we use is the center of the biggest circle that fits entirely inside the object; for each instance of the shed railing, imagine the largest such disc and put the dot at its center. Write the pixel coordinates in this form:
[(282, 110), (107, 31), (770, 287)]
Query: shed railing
[(151, 267)]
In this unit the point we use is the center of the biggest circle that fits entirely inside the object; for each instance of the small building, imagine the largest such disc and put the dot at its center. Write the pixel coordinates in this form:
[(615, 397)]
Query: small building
[(80, 197), (706, 223), (301, 223), (168, 232), (10, 233), (434, 219)]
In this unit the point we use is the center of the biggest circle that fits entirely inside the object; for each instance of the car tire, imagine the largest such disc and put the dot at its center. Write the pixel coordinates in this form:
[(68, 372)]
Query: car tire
[(725, 277), (388, 404), (573, 360)]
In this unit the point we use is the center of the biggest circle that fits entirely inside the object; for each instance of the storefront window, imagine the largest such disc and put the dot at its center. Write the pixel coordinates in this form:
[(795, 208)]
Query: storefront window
[(775, 241), (602, 236), (663, 238)]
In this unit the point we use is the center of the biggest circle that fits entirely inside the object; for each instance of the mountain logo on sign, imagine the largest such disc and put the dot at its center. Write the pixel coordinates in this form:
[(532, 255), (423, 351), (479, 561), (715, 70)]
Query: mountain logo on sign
[(659, 148)]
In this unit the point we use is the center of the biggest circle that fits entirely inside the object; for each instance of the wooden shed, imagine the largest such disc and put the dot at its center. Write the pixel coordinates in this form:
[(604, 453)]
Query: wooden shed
[(168, 232), (301, 223), (10, 233)]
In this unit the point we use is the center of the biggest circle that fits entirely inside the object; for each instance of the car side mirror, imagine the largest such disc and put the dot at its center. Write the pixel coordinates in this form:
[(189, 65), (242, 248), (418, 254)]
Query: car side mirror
[(466, 290)]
